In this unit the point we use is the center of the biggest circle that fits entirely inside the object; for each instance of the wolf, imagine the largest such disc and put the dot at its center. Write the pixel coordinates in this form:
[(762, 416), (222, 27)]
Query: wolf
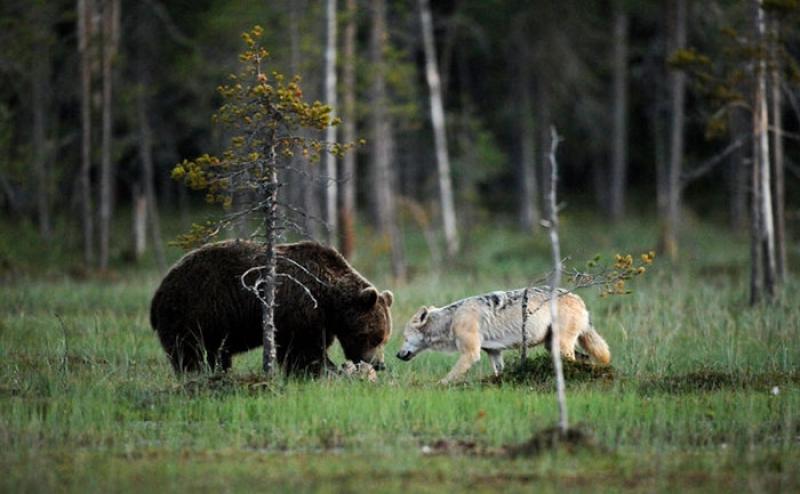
[(491, 322)]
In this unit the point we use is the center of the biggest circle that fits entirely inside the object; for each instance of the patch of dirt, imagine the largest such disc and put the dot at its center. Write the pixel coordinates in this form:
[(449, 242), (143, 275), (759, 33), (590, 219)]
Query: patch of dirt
[(539, 370), (704, 380), (228, 383), (574, 440), (459, 447)]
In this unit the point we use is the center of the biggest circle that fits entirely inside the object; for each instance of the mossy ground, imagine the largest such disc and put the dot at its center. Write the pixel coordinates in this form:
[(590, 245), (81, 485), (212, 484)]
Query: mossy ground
[(689, 404)]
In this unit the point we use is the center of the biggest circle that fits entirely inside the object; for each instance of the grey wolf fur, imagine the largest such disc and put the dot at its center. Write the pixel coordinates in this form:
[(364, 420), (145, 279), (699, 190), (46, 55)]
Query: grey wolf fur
[(492, 322)]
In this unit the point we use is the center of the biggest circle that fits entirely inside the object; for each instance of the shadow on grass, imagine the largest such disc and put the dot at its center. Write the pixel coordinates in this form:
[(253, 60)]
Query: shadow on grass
[(539, 370)]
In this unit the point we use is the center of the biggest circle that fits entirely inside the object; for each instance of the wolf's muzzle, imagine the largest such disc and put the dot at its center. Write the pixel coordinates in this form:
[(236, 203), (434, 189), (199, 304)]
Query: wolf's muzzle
[(405, 355)]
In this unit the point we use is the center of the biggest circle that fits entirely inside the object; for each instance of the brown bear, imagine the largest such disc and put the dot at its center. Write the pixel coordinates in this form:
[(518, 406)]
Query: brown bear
[(201, 308)]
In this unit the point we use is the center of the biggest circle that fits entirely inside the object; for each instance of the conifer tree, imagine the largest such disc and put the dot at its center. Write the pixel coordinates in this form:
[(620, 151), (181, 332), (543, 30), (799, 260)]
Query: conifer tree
[(264, 114)]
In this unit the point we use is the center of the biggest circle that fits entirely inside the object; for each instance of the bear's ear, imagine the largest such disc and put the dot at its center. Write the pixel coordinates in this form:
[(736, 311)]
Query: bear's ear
[(367, 297), (388, 297)]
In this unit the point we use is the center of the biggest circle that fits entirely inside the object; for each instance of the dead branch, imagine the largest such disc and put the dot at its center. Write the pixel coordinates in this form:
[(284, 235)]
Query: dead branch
[(709, 164)]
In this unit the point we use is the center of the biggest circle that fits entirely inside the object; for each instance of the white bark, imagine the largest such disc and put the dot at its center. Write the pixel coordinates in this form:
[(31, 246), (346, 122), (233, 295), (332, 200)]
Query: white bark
[(552, 207), (762, 186), (439, 130), (778, 162), (331, 185), (347, 223)]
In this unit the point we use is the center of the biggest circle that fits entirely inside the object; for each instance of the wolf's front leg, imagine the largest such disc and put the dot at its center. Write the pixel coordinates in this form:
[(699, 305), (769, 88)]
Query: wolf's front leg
[(468, 342), (464, 363)]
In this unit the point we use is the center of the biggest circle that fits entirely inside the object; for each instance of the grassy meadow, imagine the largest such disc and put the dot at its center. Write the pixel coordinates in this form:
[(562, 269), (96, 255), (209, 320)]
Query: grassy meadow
[(705, 394)]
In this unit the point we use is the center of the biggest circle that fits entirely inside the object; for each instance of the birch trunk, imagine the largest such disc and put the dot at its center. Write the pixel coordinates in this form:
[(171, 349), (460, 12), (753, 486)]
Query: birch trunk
[(347, 226), (439, 131), (778, 162), (669, 240), (331, 177), (146, 158), (109, 50), (619, 154), (382, 143), (85, 10), (763, 228), (529, 188)]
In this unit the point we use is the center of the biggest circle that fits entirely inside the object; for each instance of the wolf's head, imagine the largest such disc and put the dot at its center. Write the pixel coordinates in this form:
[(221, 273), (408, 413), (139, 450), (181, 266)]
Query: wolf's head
[(422, 332)]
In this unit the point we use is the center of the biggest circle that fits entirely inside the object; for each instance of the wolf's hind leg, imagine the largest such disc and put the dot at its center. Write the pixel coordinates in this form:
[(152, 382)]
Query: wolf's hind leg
[(496, 358)]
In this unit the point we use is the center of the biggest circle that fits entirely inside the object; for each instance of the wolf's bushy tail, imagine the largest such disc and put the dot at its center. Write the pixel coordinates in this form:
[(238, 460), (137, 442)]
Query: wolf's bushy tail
[(595, 345)]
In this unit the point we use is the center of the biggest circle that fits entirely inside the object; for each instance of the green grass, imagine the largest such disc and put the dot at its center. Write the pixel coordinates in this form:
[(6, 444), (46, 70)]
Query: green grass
[(92, 405)]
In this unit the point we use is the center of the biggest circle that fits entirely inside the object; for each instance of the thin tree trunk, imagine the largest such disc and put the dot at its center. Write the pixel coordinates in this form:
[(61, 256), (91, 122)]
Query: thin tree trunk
[(778, 163), (661, 161), (619, 154), (763, 230), (543, 108), (382, 143), (380, 128), (85, 9), (669, 232), (139, 222), (146, 157), (307, 190), (529, 188), (331, 184), (552, 209), (110, 41), (737, 174), (348, 234), (439, 131), (40, 97), (299, 192), (270, 192)]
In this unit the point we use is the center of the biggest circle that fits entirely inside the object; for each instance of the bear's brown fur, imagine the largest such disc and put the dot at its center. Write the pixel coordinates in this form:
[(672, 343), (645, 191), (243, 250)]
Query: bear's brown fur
[(201, 308)]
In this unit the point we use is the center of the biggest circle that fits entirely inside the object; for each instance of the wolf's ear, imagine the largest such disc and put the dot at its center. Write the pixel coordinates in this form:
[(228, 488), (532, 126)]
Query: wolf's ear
[(367, 297), (421, 316), (388, 297)]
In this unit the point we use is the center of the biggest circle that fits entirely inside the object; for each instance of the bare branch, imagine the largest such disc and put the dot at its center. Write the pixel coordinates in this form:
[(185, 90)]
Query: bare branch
[(172, 29), (712, 162), (301, 285), (302, 268)]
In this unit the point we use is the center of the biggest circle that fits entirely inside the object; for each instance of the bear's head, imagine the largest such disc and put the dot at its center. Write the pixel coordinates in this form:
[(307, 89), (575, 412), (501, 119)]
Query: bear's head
[(365, 326)]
